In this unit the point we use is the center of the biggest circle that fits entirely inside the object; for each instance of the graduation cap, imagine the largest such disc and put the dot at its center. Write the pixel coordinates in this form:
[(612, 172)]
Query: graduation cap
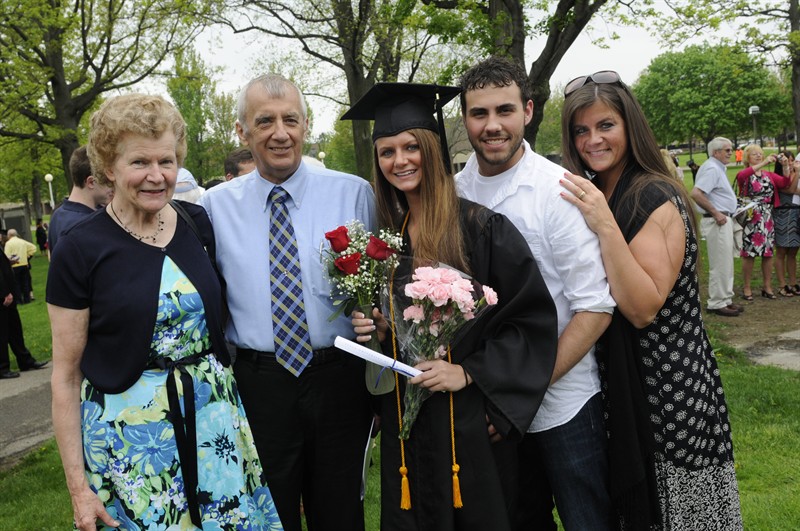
[(398, 107)]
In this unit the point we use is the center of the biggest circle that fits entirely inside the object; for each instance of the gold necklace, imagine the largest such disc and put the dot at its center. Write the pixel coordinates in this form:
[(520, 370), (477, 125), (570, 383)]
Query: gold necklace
[(153, 238)]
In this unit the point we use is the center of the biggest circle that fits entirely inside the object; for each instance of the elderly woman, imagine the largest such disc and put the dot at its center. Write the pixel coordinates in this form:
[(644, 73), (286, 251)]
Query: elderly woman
[(670, 450), (149, 424), (758, 238)]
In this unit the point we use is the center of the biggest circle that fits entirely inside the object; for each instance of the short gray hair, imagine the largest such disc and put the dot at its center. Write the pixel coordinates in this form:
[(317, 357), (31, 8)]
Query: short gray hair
[(717, 144), (276, 86)]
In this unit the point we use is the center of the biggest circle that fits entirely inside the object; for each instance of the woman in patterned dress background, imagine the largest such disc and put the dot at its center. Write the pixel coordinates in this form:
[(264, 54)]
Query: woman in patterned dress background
[(758, 237), (670, 450), (150, 428)]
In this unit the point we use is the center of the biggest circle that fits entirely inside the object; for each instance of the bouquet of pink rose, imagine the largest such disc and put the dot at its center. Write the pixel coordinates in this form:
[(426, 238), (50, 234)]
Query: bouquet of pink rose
[(358, 265), (444, 302)]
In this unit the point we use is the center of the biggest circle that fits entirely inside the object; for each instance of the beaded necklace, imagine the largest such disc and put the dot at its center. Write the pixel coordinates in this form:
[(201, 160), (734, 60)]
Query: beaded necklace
[(153, 238)]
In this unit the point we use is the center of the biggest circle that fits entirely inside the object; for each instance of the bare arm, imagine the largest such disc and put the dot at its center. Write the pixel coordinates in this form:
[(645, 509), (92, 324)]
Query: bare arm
[(70, 329), (702, 201), (641, 275), (578, 337)]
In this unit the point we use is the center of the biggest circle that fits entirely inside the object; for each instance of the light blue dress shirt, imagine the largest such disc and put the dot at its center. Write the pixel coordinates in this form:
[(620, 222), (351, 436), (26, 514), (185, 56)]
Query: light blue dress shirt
[(320, 200)]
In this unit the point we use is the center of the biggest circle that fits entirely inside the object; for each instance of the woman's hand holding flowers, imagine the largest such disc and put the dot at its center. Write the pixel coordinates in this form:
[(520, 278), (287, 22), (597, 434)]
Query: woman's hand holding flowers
[(439, 375)]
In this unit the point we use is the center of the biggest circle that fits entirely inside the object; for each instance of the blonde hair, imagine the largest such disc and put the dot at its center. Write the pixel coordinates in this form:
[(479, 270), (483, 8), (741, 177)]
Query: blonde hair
[(131, 114), (749, 150), (440, 238)]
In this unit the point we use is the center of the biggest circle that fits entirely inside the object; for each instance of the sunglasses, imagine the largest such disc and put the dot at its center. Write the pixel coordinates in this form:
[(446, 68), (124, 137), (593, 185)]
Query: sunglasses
[(601, 78)]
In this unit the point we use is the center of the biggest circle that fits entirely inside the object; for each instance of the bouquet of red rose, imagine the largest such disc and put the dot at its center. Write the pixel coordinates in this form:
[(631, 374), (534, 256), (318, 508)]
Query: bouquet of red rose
[(443, 303), (358, 265)]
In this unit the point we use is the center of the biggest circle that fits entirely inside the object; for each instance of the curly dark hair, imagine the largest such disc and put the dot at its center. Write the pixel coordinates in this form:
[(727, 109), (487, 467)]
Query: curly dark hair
[(495, 71)]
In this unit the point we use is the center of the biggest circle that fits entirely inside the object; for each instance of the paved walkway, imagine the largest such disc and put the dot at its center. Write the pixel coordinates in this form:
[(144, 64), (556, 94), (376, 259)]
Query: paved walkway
[(25, 420)]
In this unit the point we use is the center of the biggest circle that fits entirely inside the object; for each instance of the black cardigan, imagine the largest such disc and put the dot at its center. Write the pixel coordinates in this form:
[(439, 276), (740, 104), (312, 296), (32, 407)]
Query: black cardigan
[(100, 267)]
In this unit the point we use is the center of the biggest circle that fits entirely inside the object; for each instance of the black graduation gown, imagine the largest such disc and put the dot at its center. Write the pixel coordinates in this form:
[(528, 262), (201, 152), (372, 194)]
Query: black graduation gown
[(510, 354)]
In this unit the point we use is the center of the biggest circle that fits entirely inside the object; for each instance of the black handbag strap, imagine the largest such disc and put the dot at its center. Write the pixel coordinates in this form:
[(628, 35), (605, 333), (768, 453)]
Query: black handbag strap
[(210, 253)]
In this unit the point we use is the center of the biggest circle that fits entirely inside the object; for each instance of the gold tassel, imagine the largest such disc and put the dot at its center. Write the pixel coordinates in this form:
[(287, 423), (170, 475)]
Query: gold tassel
[(405, 494), (456, 489)]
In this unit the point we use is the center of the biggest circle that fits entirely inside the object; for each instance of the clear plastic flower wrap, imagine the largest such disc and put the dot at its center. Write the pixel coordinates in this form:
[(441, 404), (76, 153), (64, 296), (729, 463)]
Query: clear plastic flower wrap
[(429, 308)]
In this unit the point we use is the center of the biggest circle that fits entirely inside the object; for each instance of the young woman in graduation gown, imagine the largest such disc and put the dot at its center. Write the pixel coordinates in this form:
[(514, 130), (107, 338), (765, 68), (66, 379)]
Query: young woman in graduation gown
[(485, 397)]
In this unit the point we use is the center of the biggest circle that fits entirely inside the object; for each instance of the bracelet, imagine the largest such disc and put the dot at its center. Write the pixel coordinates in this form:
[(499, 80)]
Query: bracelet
[(465, 376)]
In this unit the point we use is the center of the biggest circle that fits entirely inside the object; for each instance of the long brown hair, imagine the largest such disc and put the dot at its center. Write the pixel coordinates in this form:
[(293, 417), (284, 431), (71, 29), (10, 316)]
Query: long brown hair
[(644, 155), (439, 236)]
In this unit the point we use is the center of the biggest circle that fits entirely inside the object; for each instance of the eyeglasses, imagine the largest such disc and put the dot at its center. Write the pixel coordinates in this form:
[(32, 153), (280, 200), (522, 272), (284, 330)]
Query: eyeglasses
[(602, 77)]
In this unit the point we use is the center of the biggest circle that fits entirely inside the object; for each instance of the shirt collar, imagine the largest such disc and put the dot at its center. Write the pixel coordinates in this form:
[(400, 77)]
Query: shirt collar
[(295, 186)]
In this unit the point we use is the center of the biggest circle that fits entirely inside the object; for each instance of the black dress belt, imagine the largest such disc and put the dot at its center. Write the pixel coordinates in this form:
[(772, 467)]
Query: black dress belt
[(184, 426), (726, 214), (321, 356)]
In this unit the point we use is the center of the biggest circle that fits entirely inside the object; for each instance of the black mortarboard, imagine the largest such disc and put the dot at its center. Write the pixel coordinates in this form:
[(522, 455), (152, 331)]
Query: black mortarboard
[(397, 107)]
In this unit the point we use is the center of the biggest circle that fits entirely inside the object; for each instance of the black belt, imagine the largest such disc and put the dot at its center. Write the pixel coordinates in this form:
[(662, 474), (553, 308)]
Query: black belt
[(185, 428), (320, 356), (726, 214)]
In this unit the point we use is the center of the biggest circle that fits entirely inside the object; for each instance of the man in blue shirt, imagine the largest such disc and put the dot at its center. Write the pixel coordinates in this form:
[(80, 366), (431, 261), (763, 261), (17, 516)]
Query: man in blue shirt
[(310, 429), (87, 195)]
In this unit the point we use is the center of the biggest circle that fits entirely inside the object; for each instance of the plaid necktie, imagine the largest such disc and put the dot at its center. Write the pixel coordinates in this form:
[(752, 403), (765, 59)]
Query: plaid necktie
[(290, 330)]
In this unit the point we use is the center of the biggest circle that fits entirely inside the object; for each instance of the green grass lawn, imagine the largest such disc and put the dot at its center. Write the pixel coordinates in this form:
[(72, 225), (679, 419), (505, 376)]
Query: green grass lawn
[(763, 402)]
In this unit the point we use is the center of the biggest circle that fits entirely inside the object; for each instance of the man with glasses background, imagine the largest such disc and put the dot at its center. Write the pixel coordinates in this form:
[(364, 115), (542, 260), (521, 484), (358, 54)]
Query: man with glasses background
[(716, 202)]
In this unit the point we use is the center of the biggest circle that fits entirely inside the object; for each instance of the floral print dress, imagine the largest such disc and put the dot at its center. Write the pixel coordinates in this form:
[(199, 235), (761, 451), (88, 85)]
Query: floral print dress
[(130, 450), (758, 237)]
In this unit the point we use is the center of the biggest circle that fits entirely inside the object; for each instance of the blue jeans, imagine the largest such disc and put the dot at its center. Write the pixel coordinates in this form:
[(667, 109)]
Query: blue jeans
[(568, 463)]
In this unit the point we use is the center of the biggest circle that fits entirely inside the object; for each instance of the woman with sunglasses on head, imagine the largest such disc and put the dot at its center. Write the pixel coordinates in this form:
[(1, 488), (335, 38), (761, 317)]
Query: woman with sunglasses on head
[(670, 451)]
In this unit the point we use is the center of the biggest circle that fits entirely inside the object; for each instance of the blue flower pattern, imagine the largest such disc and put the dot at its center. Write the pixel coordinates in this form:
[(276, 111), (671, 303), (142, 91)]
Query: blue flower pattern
[(130, 454)]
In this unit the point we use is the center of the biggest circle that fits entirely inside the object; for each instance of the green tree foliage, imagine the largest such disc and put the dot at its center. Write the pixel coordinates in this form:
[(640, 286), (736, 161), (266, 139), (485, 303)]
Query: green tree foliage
[(548, 140), (770, 28), (209, 116), (58, 58), (706, 91), (340, 153)]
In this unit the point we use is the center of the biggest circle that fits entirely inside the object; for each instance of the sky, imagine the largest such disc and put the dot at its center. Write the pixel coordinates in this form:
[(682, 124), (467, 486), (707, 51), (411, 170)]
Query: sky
[(629, 55)]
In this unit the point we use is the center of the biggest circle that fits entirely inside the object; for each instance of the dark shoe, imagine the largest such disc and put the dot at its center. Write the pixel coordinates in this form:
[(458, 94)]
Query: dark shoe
[(36, 365), (736, 307), (8, 375), (747, 297), (725, 312), (796, 289), (768, 294), (786, 291)]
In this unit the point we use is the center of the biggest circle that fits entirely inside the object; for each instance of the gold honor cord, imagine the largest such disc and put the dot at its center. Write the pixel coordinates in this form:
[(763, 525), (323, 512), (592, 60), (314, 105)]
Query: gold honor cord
[(405, 492)]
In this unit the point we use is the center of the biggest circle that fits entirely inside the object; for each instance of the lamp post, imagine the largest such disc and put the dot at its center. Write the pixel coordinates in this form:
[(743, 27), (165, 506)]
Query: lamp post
[(754, 110), (49, 179), (321, 157)]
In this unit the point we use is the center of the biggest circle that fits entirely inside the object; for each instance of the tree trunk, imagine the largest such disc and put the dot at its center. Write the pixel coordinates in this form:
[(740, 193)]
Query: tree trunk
[(565, 25), (510, 21), (37, 195)]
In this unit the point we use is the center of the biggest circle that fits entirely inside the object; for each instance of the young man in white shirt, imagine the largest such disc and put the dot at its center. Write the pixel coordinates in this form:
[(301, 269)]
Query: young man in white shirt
[(566, 441)]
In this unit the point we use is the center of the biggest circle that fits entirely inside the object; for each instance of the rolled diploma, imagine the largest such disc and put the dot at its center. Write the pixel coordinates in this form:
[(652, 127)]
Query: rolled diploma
[(375, 357)]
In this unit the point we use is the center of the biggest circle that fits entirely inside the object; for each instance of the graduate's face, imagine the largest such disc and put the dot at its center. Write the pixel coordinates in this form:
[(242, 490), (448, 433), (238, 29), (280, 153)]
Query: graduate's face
[(599, 135), (400, 161), (495, 119)]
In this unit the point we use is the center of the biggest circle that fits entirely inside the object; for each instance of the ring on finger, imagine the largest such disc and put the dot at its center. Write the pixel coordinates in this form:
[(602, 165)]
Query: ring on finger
[(580, 195)]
